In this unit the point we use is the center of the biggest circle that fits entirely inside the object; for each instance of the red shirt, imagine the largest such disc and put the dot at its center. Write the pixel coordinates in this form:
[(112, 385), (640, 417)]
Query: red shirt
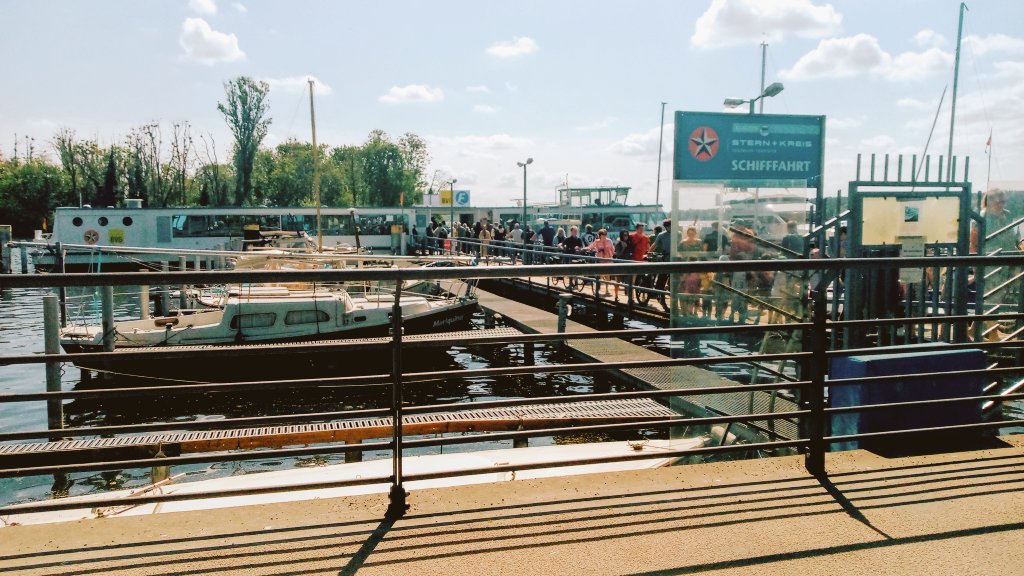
[(641, 244)]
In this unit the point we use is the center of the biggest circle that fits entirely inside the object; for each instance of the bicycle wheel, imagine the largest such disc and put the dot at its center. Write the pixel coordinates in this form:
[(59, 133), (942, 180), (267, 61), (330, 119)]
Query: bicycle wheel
[(640, 289), (575, 284)]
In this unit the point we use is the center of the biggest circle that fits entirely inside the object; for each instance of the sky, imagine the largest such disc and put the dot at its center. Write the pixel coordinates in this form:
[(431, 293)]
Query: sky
[(575, 85)]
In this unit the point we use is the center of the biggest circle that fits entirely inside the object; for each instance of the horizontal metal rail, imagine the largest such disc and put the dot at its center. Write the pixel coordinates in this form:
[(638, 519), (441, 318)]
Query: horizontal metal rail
[(931, 430), (912, 403)]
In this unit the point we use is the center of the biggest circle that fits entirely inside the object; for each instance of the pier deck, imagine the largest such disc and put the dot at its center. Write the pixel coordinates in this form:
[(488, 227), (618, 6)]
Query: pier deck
[(530, 319), (957, 513)]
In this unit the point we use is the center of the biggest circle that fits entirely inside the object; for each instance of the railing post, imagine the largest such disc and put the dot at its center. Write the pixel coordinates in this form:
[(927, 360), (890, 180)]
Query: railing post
[(815, 397), (182, 295), (62, 292), (564, 303), (397, 506), (5, 250)]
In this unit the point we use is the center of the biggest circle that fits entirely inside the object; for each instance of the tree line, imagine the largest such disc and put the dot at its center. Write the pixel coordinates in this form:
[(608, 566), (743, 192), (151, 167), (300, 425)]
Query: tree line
[(173, 165)]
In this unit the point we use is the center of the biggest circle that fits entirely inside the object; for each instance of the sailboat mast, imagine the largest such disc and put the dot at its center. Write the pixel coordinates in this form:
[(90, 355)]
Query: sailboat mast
[(956, 75), (316, 172)]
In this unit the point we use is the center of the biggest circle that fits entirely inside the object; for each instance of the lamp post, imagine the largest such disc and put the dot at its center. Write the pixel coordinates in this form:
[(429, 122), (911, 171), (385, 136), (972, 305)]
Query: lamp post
[(451, 223), (771, 91), (523, 165)]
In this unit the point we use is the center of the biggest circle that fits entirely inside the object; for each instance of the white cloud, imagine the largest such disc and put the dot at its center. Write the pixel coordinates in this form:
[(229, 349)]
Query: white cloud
[(203, 6), (641, 144), (915, 104), (517, 47), (513, 88), (993, 43), (732, 22), (599, 125), (240, 7), (929, 39), (480, 89), (206, 45), (412, 93), (298, 85), (492, 142), (844, 123), (484, 109), (880, 141), (862, 54), (1009, 69)]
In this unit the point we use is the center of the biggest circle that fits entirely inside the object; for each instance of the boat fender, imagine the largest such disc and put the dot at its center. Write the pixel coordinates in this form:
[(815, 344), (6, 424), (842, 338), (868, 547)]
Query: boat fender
[(165, 321)]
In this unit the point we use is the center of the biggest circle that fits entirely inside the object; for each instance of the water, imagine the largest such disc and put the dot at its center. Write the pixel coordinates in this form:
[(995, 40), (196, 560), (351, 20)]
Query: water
[(21, 332)]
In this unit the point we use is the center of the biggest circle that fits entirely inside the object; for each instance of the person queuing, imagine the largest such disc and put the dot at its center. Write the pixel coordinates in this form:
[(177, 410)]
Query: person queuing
[(623, 251), (572, 243), (605, 250)]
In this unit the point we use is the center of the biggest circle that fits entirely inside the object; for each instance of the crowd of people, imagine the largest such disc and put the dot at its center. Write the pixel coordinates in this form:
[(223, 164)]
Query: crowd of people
[(722, 296)]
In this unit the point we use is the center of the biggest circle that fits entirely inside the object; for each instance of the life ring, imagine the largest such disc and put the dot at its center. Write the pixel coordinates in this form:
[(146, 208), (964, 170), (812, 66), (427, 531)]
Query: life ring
[(91, 236)]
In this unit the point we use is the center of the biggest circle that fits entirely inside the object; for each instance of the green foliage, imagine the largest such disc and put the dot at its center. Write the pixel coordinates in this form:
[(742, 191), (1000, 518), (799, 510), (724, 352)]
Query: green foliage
[(245, 112), (29, 191)]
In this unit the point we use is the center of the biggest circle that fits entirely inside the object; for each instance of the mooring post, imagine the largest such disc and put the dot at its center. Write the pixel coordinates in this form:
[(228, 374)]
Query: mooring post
[(51, 337), (107, 311), (23, 250), (5, 250), (397, 506), (629, 297), (62, 292), (165, 297), (564, 305), (354, 455), (182, 296), (488, 318), (143, 301)]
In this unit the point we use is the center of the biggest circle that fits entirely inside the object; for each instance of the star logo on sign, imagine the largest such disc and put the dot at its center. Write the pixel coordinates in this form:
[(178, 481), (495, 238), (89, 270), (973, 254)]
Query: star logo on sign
[(704, 143)]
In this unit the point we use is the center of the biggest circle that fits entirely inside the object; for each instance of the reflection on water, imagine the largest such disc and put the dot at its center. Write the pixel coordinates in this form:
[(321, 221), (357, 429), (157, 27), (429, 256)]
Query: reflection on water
[(21, 333)]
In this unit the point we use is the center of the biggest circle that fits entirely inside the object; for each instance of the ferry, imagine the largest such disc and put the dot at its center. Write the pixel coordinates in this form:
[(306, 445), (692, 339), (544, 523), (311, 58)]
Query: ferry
[(100, 239)]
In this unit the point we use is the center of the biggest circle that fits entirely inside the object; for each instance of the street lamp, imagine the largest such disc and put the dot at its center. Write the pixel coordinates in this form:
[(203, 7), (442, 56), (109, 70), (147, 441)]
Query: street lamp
[(771, 91), (523, 165)]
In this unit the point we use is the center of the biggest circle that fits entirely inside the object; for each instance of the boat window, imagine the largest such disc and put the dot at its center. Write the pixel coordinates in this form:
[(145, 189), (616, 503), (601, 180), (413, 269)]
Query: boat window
[(127, 221), (306, 317), (103, 220), (261, 320), (360, 318), (76, 221)]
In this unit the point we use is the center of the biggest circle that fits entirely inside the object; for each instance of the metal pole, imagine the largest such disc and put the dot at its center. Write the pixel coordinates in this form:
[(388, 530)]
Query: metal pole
[(62, 292), (524, 198), (165, 297), (144, 302), (24, 250), (564, 301), (51, 332), (398, 505), (815, 400), (316, 173), (661, 141), (764, 50), (952, 111)]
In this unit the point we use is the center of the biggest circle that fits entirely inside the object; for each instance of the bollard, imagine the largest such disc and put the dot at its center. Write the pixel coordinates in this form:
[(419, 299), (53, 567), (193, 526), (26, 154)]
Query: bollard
[(182, 296), (5, 250), (51, 335), (198, 262), (24, 259), (107, 310)]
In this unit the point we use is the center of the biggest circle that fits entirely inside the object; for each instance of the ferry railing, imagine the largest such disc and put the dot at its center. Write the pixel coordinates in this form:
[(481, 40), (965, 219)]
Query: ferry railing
[(812, 410)]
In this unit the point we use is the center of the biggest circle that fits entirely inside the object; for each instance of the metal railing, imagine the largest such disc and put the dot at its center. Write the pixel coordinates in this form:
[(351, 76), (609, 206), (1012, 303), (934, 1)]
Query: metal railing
[(812, 412)]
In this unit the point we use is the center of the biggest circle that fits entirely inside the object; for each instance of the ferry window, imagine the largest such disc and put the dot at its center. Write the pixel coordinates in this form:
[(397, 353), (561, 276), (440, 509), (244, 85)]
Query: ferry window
[(261, 320), (127, 221), (76, 221), (335, 225), (306, 317), (103, 220)]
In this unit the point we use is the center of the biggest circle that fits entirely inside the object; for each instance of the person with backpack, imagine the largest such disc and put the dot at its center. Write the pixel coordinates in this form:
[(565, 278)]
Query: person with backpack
[(623, 251), (588, 236)]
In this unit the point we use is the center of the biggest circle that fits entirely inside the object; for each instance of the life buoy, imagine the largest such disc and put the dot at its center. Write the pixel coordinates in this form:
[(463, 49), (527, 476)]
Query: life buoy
[(91, 236)]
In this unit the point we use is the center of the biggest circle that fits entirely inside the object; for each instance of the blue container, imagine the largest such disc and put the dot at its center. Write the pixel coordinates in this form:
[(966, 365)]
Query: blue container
[(898, 389)]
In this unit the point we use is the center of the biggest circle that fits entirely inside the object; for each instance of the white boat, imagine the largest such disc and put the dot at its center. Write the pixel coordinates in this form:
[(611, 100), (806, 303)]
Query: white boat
[(266, 315), (411, 465)]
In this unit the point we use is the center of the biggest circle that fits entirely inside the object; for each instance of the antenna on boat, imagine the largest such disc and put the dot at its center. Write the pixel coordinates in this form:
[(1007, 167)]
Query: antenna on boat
[(316, 172)]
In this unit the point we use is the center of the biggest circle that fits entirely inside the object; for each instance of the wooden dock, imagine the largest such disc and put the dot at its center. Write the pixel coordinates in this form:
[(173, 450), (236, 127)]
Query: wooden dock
[(530, 319)]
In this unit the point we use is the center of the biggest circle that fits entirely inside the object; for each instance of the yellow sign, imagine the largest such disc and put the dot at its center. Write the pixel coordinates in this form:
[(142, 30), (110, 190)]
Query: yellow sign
[(116, 236), (446, 197)]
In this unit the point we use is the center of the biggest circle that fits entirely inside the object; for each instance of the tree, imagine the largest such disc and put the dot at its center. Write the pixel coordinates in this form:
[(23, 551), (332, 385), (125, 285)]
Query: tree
[(29, 191), (416, 158), (108, 194), (384, 171), (245, 112)]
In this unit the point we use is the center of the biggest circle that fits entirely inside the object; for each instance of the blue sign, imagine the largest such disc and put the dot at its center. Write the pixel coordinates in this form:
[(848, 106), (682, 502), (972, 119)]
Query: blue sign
[(462, 198), (745, 150)]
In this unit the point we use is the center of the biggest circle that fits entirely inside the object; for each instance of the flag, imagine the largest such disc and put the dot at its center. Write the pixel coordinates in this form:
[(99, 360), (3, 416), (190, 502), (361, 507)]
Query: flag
[(44, 223)]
